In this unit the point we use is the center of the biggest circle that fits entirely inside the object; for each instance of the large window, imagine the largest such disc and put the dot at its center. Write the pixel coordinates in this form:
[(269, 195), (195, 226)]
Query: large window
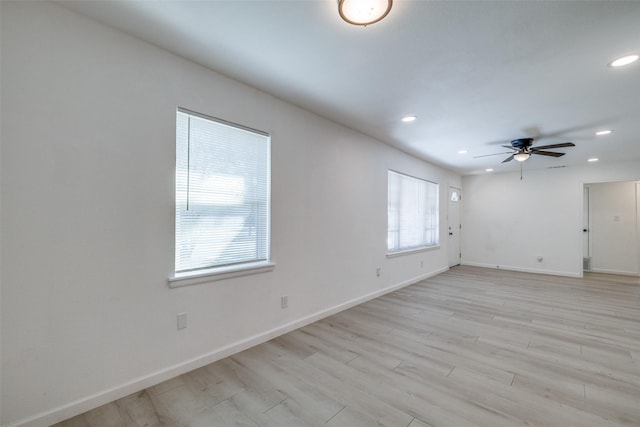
[(412, 213), (222, 195)]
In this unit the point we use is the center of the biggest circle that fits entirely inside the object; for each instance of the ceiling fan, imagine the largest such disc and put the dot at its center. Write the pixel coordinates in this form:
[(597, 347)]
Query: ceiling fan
[(523, 150)]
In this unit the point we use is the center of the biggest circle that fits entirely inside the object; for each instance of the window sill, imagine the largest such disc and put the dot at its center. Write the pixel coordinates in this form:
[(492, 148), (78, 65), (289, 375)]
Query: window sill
[(222, 273), (412, 251)]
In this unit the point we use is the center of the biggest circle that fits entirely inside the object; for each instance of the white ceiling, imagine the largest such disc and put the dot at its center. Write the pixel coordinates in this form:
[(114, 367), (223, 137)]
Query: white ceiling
[(476, 73)]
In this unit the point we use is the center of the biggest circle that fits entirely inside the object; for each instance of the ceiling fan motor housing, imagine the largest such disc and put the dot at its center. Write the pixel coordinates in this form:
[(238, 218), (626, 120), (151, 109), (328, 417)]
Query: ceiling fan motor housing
[(522, 143)]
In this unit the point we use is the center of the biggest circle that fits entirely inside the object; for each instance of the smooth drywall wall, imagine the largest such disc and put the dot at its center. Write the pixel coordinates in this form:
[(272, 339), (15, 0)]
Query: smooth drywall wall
[(613, 217), (509, 223), (0, 237), (88, 158)]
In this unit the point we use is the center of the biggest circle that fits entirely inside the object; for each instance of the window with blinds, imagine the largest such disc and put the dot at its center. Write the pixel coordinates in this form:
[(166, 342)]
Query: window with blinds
[(412, 213), (222, 195)]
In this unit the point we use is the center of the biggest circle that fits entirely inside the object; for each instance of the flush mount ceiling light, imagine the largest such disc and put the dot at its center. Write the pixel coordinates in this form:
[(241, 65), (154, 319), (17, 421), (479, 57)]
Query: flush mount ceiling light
[(363, 12), (462, 151), (593, 159), (625, 60), (408, 119), (521, 157), (489, 170), (604, 132)]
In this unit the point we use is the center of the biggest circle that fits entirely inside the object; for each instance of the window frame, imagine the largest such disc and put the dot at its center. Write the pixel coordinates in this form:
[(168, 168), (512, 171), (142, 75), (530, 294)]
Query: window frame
[(231, 269), (403, 250)]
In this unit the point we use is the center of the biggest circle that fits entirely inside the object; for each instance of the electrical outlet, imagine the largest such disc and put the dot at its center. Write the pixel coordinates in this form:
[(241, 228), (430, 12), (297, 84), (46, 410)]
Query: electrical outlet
[(284, 301), (378, 271), (182, 321), (421, 264)]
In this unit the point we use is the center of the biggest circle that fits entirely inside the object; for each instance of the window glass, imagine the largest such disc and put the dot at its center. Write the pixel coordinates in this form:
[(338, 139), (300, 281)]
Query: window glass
[(222, 194), (412, 213)]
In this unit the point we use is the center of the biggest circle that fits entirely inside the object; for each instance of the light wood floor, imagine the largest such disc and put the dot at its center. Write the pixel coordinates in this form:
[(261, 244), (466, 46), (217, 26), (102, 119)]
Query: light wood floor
[(470, 347)]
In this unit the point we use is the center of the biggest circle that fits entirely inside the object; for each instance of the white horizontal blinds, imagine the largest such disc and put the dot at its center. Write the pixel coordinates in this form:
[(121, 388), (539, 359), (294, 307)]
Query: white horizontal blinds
[(412, 213), (222, 194)]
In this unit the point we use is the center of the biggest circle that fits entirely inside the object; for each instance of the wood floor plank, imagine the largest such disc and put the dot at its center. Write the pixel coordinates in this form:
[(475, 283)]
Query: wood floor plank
[(470, 347), (312, 403)]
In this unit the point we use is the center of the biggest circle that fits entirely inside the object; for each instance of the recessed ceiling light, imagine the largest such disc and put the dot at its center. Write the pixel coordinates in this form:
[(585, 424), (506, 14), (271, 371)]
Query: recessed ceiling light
[(593, 159), (604, 132), (462, 151), (408, 119), (488, 170), (625, 60)]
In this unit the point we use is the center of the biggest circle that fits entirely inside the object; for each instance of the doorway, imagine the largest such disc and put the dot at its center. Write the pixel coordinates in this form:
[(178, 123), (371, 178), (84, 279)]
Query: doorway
[(454, 226), (611, 214), (586, 226)]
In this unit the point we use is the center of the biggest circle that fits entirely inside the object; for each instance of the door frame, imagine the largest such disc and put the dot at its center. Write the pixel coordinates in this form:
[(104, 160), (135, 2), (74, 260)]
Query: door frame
[(455, 230)]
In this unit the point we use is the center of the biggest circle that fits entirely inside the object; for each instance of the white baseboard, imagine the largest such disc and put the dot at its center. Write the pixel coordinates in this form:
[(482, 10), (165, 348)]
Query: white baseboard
[(621, 273), (90, 402), (524, 270)]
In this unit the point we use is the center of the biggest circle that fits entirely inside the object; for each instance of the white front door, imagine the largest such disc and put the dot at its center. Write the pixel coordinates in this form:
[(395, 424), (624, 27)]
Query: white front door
[(454, 226)]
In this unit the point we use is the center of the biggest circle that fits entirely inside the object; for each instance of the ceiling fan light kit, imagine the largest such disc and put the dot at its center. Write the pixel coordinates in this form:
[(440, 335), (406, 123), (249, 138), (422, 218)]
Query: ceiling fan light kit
[(364, 12), (521, 156)]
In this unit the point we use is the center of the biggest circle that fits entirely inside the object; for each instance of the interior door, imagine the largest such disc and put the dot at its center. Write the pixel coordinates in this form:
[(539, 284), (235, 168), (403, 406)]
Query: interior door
[(586, 247), (454, 226)]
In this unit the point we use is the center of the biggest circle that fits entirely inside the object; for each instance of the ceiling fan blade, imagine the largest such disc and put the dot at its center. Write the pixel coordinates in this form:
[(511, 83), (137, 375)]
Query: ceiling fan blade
[(508, 146), (548, 153), (544, 147), (494, 154), (508, 159)]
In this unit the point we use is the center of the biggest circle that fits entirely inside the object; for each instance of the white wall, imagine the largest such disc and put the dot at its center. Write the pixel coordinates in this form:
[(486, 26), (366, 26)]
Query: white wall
[(88, 149), (613, 217), (508, 222)]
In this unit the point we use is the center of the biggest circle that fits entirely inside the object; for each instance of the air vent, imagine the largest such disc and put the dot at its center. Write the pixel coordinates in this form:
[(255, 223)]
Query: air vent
[(557, 167)]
